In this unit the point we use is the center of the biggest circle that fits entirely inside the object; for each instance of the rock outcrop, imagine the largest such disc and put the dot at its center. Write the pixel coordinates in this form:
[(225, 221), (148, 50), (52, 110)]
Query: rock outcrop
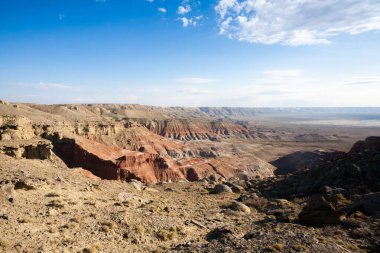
[(114, 163), (184, 129), (370, 144), (356, 172), (368, 204), (320, 212), (15, 128), (300, 160), (32, 149), (155, 146)]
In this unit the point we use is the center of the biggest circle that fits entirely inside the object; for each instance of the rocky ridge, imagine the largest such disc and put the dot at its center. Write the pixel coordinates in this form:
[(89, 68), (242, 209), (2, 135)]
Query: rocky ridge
[(151, 151)]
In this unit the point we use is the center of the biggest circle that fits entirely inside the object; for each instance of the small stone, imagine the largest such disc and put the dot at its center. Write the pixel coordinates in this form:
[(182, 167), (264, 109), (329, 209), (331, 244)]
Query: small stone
[(235, 188), (213, 178), (148, 189), (237, 206), (137, 185), (8, 192), (221, 188)]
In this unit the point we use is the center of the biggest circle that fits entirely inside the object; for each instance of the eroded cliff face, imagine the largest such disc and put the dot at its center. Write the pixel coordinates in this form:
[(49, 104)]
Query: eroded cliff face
[(184, 129), (113, 147), (115, 163), (18, 138), (15, 128), (30, 150)]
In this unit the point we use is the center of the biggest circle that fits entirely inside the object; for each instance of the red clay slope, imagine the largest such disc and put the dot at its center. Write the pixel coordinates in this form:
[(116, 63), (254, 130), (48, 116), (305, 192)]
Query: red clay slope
[(115, 163), (108, 162)]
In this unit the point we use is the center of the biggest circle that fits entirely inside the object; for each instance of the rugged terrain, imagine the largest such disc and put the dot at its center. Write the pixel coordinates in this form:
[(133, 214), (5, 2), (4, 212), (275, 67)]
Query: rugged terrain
[(132, 178)]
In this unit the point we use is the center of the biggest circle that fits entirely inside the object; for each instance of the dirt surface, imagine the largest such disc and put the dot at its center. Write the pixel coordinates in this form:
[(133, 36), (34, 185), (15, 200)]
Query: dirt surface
[(59, 210)]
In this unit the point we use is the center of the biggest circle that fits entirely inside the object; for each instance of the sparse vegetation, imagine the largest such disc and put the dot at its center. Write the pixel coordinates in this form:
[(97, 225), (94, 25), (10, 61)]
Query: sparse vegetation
[(57, 203), (167, 235)]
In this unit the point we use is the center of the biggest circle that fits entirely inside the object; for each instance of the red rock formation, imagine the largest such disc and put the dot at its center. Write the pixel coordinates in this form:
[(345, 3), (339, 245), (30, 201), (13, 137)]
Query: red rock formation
[(114, 163), (197, 168)]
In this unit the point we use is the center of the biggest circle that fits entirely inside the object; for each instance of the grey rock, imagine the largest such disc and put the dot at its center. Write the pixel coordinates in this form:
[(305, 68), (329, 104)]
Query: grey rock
[(237, 206), (221, 188)]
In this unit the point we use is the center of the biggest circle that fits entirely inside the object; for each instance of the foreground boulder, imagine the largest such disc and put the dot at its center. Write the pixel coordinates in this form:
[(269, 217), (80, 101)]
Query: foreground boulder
[(368, 204), (221, 188), (320, 212), (238, 206)]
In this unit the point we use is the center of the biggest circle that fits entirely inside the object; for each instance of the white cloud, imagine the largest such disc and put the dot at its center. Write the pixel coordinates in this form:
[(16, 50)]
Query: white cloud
[(183, 9), (296, 22), (54, 86), (185, 22), (301, 88), (195, 80), (363, 80), (47, 86), (189, 21), (100, 1), (163, 10), (150, 1)]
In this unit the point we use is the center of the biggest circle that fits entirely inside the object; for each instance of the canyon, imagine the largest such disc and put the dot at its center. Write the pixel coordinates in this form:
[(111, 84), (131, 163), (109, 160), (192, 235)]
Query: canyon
[(134, 178)]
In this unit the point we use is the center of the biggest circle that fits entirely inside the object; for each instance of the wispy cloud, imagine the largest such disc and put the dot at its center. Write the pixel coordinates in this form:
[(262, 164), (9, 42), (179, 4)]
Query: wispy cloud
[(285, 77), (183, 9), (47, 86), (194, 91), (194, 80), (184, 14), (162, 10), (363, 80), (186, 22), (306, 22), (43, 85)]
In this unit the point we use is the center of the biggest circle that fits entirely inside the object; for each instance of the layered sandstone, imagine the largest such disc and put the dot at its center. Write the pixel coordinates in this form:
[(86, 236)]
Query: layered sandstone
[(31, 149), (122, 142), (15, 128), (184, 129), (114, 163)]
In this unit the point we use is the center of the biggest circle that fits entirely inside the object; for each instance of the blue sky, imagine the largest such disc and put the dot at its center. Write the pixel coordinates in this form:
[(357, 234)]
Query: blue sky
[(191, 53)]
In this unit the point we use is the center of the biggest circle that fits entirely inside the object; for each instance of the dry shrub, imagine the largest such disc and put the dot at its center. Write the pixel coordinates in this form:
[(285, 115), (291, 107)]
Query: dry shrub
[(258, 203), (332, 231), (360, 233), (167, 235)]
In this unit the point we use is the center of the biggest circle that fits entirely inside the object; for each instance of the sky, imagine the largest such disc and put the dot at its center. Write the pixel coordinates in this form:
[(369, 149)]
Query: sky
[(240, 53)]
